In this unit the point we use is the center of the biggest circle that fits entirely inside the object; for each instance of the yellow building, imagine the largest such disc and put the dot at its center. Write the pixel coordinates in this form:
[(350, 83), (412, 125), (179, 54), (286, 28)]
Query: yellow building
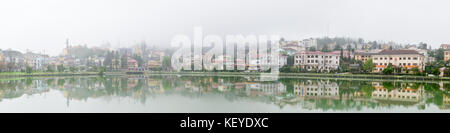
[(400, 58), (1, 56), (363, 56), (446, 55)]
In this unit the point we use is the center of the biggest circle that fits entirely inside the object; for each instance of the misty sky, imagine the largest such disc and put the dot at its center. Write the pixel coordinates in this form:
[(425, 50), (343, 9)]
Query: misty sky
[(45, 24)]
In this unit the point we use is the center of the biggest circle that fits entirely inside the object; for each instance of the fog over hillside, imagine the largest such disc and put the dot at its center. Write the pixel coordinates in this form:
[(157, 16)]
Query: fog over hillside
[(45, 24)]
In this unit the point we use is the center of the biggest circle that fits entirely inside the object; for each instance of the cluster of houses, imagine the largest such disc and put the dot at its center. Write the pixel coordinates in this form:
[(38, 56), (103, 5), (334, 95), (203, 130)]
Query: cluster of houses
[(11, 60), (406, 57), (82, 58), (305, 55)]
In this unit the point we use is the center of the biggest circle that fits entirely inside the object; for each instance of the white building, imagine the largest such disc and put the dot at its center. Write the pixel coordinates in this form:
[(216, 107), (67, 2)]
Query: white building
[(319, 61), (310, 88), (399, 94)]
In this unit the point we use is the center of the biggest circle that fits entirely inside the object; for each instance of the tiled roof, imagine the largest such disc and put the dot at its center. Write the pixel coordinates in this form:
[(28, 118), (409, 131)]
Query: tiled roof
[(396, 52), (319, 52), (365, 53)]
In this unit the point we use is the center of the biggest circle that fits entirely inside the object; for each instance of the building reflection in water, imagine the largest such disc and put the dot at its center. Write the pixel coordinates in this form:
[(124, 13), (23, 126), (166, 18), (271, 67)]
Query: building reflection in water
[(320, 89), (403, 94)]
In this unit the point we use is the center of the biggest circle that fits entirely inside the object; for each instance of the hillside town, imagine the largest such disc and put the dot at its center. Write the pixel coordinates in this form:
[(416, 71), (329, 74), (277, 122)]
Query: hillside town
[(313, 55)]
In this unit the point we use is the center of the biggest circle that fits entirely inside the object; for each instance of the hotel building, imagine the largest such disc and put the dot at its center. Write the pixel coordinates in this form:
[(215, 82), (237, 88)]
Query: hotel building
[(400, 58)]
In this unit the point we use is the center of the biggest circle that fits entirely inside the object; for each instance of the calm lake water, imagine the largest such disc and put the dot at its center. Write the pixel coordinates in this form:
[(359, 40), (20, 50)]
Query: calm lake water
[(172, 93)]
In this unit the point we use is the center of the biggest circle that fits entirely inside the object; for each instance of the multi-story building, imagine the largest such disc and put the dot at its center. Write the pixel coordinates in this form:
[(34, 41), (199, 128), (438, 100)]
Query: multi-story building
[(319, 61), (267, 60), (36, 61), (400, 58), (363, 56), (14, 60), (256, 88), (424, 52), (293, 45), (116, 63), (132, 64), (310, 43), (398, 94), (324, 89), (155, 60)]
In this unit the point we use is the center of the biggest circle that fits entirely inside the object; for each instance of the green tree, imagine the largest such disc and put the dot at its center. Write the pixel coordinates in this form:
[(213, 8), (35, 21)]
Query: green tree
[(290, 61), (28, 69), (124, 61), (139, 60), (447, 72), (60, 68), (388, 70), (436, 71), (101, 70), (49, 68), (72, 69), (166, 63), (368, 66), (439, 55), (416, 71), (108, 59)]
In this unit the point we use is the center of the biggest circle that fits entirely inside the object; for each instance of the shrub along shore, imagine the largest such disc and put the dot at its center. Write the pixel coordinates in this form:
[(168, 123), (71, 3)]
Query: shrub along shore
[(23, 74)]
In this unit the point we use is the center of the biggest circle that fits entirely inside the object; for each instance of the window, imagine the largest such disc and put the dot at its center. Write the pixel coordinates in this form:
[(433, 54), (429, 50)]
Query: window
[(409, 58), (415, 58), (375, 58)]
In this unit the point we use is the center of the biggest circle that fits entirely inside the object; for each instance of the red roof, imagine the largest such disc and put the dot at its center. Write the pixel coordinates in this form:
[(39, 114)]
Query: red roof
[(132, 61), (397, 52)]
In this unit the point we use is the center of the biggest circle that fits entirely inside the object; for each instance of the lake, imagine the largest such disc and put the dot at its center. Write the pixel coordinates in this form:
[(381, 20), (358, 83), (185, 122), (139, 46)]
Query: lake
[(222, 94)]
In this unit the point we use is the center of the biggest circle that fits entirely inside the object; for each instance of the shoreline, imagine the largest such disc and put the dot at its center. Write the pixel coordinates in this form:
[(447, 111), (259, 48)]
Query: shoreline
[(283, 75)]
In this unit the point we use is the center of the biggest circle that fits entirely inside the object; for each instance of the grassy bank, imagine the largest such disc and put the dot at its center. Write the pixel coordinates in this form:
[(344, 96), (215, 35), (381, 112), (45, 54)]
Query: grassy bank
[(315, 75), (303, 75)]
